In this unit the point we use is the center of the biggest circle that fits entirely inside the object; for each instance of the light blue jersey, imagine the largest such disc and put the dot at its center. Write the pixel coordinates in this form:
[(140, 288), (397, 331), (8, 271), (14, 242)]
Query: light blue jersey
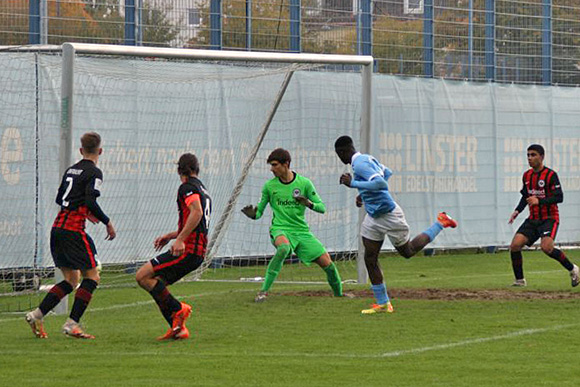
[(366, 168)]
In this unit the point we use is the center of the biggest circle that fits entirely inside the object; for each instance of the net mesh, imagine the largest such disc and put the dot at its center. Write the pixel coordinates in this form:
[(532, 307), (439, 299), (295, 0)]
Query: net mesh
[(150, 111)]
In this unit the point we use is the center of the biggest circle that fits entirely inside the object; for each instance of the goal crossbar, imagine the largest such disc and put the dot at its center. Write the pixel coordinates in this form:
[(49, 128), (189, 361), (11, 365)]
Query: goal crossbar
[(177, 53)]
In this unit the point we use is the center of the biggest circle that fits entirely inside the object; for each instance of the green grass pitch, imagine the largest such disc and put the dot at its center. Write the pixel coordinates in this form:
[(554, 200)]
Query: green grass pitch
[(474, 331)]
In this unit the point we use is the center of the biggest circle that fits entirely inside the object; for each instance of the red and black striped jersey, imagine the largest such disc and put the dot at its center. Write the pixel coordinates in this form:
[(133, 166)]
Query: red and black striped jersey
[(188, 192), (545, 185), (77, 196)]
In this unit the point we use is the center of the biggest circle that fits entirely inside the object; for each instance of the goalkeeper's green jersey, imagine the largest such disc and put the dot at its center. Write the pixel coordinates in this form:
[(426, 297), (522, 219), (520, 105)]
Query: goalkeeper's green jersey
[(288, 214)]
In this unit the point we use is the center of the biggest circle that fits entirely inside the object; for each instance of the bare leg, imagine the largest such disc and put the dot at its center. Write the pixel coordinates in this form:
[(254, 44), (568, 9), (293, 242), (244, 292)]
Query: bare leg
[(411, 248), (372, 250)]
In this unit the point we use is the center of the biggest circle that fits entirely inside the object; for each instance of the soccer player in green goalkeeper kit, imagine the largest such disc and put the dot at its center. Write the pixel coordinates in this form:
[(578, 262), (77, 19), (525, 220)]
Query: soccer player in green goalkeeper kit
[(289, 194)]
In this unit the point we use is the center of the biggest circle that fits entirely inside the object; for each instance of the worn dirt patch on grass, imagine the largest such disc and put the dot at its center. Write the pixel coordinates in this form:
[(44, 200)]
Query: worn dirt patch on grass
[(449, 294)]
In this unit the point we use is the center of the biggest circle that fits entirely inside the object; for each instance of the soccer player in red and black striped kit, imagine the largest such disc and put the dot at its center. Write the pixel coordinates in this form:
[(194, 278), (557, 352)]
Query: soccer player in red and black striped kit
[(187, 252), (542, 192), (72, 249)]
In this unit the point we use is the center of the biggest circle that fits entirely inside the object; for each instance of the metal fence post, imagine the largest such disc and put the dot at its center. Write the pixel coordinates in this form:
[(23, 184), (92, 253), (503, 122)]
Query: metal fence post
[(215, 18), (34, 21), (130, 22), (249, 25), (490, 40), (470, 42), (428, 38), (547, 42), (366, 28), (295, 20)]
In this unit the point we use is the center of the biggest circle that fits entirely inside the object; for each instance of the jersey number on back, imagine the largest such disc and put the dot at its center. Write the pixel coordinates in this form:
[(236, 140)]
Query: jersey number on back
[(206, 212), (69, 182)]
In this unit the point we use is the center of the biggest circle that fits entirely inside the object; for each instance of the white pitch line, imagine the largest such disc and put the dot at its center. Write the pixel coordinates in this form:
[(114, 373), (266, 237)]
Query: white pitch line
[(524, 332)]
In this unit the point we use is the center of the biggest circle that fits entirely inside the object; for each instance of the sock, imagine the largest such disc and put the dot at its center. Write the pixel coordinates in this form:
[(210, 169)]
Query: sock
[(559, 256), (380, 292), (275, 265), (83, 296), (55, 294), (517, 264), (433, 231), (334, 279), (165, 300), (37, 314)]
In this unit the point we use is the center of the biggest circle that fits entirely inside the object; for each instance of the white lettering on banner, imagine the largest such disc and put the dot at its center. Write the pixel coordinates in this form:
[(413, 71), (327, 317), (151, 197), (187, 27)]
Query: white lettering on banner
[(440, 184), (422, 153), (562, 155), (11, 154), (11, 227), (512, 183), (440, 153)]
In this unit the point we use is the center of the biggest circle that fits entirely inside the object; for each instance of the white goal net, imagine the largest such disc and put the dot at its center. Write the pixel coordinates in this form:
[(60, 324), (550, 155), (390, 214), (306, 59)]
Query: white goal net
[(152, 105)]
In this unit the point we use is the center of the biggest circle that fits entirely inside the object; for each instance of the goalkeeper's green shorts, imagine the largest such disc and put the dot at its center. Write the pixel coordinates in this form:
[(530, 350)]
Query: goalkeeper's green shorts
[(304, 244)]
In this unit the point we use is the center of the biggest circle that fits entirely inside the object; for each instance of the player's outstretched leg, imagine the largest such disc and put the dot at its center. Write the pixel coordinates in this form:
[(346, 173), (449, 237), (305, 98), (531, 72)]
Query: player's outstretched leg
[(283, 250), (411, 248), (446, 221)]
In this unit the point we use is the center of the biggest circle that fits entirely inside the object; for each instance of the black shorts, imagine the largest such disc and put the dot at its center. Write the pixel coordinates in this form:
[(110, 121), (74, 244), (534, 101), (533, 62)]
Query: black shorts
[(535, 229), (72, 249), (171, 269)]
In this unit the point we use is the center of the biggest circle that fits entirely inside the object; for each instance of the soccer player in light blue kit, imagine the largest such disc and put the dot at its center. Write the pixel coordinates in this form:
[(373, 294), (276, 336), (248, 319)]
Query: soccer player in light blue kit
[(383, 217)]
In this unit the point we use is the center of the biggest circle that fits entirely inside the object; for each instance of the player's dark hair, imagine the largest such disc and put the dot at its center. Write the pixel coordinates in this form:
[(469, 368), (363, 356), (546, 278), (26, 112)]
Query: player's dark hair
[(538, 148), (91, 142), (187, 164), (280, 155), (343, 142)]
